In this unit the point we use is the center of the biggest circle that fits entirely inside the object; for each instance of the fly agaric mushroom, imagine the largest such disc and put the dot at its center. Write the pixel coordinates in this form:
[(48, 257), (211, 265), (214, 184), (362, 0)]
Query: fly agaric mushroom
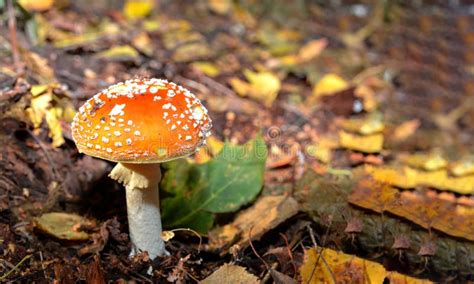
[(140, 124)]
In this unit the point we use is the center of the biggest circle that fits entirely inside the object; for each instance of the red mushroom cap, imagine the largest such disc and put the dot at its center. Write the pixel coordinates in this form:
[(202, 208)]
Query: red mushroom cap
[(141, 121)]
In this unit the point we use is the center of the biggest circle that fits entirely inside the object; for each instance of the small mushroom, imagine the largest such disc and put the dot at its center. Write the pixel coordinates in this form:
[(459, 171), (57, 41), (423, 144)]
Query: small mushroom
[(139, 124)]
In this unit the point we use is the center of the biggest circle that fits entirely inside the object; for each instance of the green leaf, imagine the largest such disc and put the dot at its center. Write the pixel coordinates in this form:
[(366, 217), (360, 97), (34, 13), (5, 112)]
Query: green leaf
[(232, 179)]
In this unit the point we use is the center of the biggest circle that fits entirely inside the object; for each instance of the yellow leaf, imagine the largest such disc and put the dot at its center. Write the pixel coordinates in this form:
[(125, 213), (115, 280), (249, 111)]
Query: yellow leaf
[(138, 9), (37, 90), (240, 87), (192, 51), (119, 52), (151, 25), (39, 104), (322, 150), (202, 156), (55, 130), (207, 68), (264, 86), (463, 167), (324, 265), (311, 50), (39, 67), (143, 43), (370, 125), (220, 7), (167, 235), (368, 97), (367, 144), (427, 209), (36, 5), (41, 108), (428, 162), (406, 129), (407, 177), (212, 148), (65, 226), (329, 84)]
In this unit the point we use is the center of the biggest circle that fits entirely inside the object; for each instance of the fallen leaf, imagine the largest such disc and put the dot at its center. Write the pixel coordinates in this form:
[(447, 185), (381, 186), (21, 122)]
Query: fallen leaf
[(342, 103), (407, 177), (368, 97), (207, 68), (167, 235), (324, 265), (95, 274), (231, 179), (262, 86), (220, 7), (138, 9), (99, 240), (211, 149), (464, 167), (311, 50), (40, 102), (277, 39), (366, 144), (267, 213), (428, 162), (39, 67), (426, 210), (122, 52), (63, 225), (230, 274), (54, 125), (41, 107), (371, 124), (307, 52), (36, 5), (192, 51), (143, 43), (281, 278), (323, 148), (405, 130), (329, 85)]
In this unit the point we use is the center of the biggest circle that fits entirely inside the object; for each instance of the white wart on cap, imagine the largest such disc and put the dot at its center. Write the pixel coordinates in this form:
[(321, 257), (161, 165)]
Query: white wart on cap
[(141, 121)]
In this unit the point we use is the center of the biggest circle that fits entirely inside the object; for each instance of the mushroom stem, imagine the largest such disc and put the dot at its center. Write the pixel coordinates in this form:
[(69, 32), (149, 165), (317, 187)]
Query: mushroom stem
[(143, 206)]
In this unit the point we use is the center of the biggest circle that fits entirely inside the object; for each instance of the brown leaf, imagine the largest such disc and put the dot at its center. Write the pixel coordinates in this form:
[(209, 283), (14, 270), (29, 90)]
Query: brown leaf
[(341, 103), (281, 278), (277, 209), (94, 273), (99, 240), (425, 209), (229, 274)]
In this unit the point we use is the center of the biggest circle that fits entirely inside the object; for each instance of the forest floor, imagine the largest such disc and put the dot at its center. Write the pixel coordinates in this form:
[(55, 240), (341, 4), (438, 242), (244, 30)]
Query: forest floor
[(366, 112)]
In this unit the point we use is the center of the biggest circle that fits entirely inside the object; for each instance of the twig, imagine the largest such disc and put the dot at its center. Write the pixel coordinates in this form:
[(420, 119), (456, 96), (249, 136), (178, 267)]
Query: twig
[(188, 274), (193, 84), (4, 276), (42, 265), (255, 251), (320, 257), (51, 163), (191, 230), (290, 254), (218, 86), (12, 29)]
